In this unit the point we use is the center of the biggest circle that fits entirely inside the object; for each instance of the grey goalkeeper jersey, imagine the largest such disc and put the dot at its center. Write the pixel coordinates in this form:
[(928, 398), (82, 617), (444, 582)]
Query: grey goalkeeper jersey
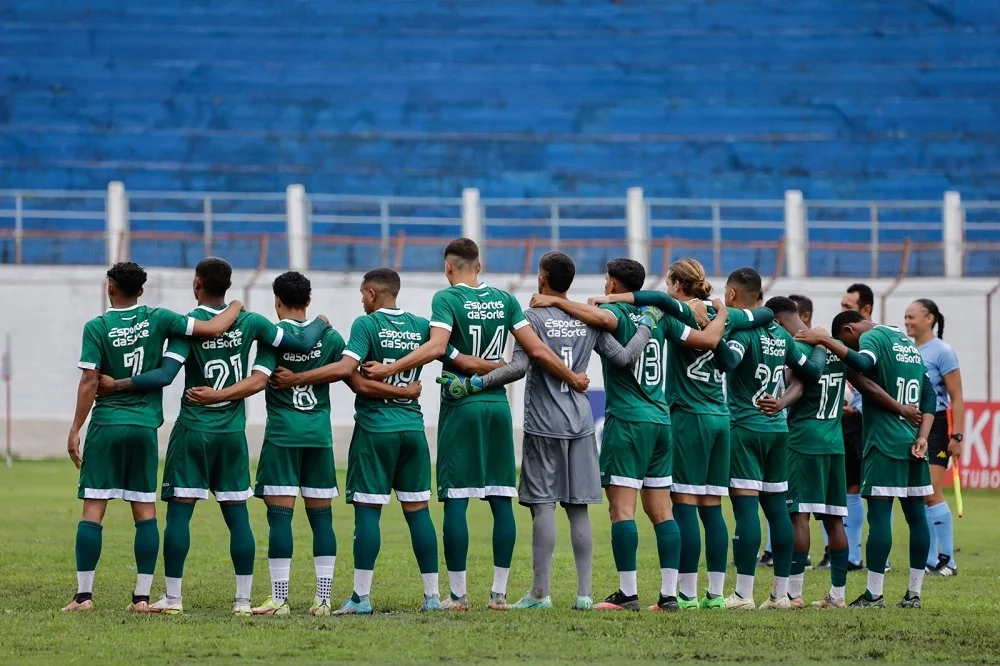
[(552, 408)]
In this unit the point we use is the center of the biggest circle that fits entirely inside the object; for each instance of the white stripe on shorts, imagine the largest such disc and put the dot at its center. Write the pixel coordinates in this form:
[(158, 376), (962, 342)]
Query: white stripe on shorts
[(834, 510), (104, 493), (718, 491), (919, 491), (687, 489), (463, 493), (656, 482), (889, 491), (776, 487), (196, 493), (804, 507), (745, 484), (135, 496), (234, 495), (501, 491), (319, 493), (281, 491), (422, 496), (624, 481), (369, 498)]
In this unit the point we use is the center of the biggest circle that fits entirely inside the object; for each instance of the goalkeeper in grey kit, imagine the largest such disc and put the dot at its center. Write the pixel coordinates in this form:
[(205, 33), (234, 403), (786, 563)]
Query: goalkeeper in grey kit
[(559, 455)]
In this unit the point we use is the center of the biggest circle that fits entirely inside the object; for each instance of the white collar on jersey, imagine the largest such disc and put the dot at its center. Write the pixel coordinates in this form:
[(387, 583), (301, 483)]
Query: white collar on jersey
[(133, 307), (469, 286), (391, 311), (208, 308), (293, 322)]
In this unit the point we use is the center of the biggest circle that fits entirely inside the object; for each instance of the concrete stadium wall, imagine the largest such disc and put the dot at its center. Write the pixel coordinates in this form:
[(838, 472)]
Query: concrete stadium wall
[(45, 309)]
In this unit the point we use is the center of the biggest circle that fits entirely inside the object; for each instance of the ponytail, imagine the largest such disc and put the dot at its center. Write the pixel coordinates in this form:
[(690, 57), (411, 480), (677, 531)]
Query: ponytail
[(691, 276), (932, 310)]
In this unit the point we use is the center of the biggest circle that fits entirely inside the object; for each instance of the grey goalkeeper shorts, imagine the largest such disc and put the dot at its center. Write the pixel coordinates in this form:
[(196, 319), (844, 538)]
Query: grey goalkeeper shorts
[(559, 470)]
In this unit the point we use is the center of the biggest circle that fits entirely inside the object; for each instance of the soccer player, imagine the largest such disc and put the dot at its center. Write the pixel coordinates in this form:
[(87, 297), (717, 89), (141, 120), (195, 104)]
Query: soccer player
[(700, 422), (475, 454), (207, 450), (895, 451), (120, 456), (560, 460), (759, 443), (921, 318), (804, 306), (297, 454), (388, 448), (858, 298)]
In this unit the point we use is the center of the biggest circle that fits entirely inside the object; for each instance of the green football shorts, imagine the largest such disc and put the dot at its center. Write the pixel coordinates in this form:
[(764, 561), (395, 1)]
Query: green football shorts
[(380, 462), (119, 462), (701, 453), (290, 470), (758, 460), (475, 454), (817, 483), (200, 462), (635, 455), (882, 476)]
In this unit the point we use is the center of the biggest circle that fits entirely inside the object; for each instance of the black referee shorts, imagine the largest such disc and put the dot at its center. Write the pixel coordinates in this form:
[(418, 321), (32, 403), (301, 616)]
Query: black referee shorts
[(853, 448), (937, 442)]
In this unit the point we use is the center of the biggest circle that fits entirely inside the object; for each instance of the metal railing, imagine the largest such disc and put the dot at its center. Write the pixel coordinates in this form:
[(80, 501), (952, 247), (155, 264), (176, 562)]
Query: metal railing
[(352, 232)]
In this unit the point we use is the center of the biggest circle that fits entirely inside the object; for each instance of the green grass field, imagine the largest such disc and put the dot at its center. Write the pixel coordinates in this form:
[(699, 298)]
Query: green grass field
[(960, 621)]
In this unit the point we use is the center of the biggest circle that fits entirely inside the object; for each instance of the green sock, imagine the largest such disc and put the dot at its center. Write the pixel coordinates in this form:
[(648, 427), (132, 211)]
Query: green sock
[(879, 534), (624, 544), (455, 532), (504, 531), (423, 539), (146, 546), (838, 567), (686, 516), (324, 538), (920, 533), (88, 545), (242, 547), (716, 538), (279, 540), (176, 538), (668, 544), (779, 525), (367, 537), (746, 536), (799, 560)]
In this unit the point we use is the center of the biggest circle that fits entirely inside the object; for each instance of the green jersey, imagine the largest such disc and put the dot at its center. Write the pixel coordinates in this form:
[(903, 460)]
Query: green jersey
[(636, 394), (122, 343), (299, 417), (384, 336), (899, 370), (814, 420), (764, 352), (220, 363), (479, 319)]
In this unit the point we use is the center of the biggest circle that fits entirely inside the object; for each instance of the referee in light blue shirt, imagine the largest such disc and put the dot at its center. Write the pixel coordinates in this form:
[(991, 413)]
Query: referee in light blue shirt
[(922, 317)]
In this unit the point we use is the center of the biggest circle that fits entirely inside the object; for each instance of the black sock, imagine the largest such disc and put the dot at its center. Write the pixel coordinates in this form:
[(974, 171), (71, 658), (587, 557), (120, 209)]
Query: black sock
[(83, 596)]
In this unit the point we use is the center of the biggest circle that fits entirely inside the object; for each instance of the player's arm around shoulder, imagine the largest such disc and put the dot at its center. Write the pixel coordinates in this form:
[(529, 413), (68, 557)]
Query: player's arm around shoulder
[(343, 358), (591, 315), (809, 368), (541, 353), (201, 328)]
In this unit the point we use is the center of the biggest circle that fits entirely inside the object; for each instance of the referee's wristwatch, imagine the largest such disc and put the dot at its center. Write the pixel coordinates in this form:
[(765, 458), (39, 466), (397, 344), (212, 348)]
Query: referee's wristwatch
[(957, 436)]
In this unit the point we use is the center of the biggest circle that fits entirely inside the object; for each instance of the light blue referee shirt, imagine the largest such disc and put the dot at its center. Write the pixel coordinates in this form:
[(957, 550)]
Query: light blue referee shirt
[(940, 360)]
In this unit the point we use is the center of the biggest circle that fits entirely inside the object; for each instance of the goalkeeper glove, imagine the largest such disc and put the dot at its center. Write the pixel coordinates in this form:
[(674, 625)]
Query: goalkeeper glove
[(456, 387), (650, 316)]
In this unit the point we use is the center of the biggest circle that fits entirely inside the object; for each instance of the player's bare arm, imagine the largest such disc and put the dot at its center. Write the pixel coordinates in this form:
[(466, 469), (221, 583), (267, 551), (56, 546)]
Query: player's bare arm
[(85, 394), (370, 388), (205, 395), (953, 383), (283, 378), (591, 315), (431, 350), (218, 324), (473, 365), (711, 337), (928, 405), (626, 297), (540, 353), (853, 360), (872, 391), (773, 406)]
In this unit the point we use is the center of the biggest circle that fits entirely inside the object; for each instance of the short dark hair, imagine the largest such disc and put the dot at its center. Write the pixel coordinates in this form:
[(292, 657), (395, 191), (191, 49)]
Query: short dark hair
[(216, 275), (128, 276), (385, 280), (293, 288), (629, 272), (864, 292), (781, 305), (559, 269), (804, 303), (843, 319), (746, 280), (464, 249)]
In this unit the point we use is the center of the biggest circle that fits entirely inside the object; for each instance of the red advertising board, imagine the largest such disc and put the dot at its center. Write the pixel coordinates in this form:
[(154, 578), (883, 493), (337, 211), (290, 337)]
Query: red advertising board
[(980, 464)]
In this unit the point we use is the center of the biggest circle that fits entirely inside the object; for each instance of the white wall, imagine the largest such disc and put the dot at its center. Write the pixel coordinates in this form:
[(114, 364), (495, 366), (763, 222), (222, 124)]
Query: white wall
[(44, 309)]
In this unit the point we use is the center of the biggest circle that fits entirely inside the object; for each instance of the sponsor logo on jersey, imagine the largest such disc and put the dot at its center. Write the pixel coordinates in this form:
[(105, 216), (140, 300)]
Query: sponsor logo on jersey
[(314, 353), (126, 337), (772, 346), (484, 310), (906, 353), (228, 340), (408, 340), (573, 328)]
